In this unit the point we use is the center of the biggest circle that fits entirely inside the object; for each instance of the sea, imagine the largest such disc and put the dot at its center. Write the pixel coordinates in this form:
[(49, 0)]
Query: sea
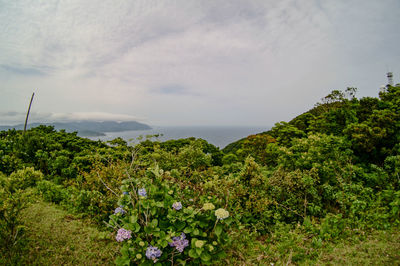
[(220, 136)]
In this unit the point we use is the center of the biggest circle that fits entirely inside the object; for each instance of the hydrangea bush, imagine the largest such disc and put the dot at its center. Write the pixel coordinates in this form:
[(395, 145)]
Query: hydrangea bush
[(157, 224)]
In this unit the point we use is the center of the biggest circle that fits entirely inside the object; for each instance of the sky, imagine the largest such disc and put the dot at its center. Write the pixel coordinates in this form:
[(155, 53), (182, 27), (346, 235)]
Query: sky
[(183, 62)]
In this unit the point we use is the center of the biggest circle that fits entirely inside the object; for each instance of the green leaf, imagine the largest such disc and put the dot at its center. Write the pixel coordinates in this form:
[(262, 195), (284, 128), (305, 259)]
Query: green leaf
[(203, 224), (205, 256), (122, 261), (181, 262), (162, 234), (129, 226), (228, 221), (163, 224), (164, 243), (218, 229), (137, 227), (154, 223), (179, 225), (187, 230), (125, 251), (193, 253), (133, 218), (192, 243), (221, 254), (198, 251), (196, 232)]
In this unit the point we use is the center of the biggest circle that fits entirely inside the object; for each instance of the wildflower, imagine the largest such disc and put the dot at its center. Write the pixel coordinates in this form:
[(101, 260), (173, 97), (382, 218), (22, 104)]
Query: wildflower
[(152, 253), (199, 243), (125, 193), (119, 210), (141, 243), (221, 214), (142, 192), (208, 206), (177, 205), (138, 256), (179, 242), (123, 234), (170, 192), (210, 248)]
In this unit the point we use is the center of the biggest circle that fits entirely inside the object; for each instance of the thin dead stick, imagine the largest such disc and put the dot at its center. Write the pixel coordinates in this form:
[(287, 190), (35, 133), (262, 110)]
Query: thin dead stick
[(27, 114), (134, 153), (109, 225), (106, 185), (287, 208)]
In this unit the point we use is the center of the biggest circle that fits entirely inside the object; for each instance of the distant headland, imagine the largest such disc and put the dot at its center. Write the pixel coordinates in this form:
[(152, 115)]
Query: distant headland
[(87, 128)]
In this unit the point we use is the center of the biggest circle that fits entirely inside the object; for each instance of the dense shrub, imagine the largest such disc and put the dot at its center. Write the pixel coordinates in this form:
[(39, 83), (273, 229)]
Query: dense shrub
[(158, 224), (326, 174), (24, 178), (52, 192), (12, 201)]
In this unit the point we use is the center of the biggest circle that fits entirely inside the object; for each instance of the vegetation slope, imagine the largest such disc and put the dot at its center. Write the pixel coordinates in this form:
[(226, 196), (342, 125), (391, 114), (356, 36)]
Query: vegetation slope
[(325, 181)]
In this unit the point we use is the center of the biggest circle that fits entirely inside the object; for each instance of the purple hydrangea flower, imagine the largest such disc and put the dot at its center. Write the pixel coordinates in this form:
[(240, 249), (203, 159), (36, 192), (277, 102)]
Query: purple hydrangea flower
[(123, 234), (125, 193), (119, 210), (177, 205), (142, 192), (152, 253), (179, 242)]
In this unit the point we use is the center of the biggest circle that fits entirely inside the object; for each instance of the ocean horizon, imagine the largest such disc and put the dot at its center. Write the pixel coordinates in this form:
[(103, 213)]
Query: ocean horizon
[(219, 136)]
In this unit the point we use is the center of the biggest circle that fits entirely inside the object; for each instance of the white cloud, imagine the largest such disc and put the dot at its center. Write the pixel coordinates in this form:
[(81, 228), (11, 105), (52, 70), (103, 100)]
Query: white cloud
[(222, 62), (19, 117)]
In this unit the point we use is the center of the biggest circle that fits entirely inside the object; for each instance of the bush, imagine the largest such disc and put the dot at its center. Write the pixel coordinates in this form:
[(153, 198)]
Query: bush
[(52, 192), (156, 223), (12, 201), (27, 177)]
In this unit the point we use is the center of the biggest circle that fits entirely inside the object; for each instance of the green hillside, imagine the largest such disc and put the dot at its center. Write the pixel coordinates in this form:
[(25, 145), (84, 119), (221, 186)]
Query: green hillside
[(305, 192)]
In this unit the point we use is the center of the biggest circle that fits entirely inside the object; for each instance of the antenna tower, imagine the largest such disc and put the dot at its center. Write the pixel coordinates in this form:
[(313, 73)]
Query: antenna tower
[(390, 78)]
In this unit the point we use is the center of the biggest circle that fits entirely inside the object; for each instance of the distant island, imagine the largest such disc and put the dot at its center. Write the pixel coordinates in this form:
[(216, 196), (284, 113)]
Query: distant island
[(87, 128)]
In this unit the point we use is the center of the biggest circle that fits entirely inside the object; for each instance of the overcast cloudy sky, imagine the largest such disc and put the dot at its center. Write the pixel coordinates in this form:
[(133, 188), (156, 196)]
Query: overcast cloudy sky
[(185, 62)]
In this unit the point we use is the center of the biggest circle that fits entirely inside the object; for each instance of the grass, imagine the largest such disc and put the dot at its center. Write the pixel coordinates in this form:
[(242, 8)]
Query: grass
[(58, 238), (378, 248), (296, 248)]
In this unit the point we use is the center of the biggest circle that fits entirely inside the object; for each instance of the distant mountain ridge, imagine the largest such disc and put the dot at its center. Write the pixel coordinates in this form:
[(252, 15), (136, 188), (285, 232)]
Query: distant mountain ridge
[(88, 128)]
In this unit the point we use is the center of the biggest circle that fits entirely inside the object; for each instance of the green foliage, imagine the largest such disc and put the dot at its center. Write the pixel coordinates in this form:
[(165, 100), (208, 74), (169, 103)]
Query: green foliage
[(324, 176), (24, 178), (58, 155), (12, 201), (285, 133), (51, 192), (90, 203), (229, 159), (256, 146), (156, 213), (193, 157), (392, 167)]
